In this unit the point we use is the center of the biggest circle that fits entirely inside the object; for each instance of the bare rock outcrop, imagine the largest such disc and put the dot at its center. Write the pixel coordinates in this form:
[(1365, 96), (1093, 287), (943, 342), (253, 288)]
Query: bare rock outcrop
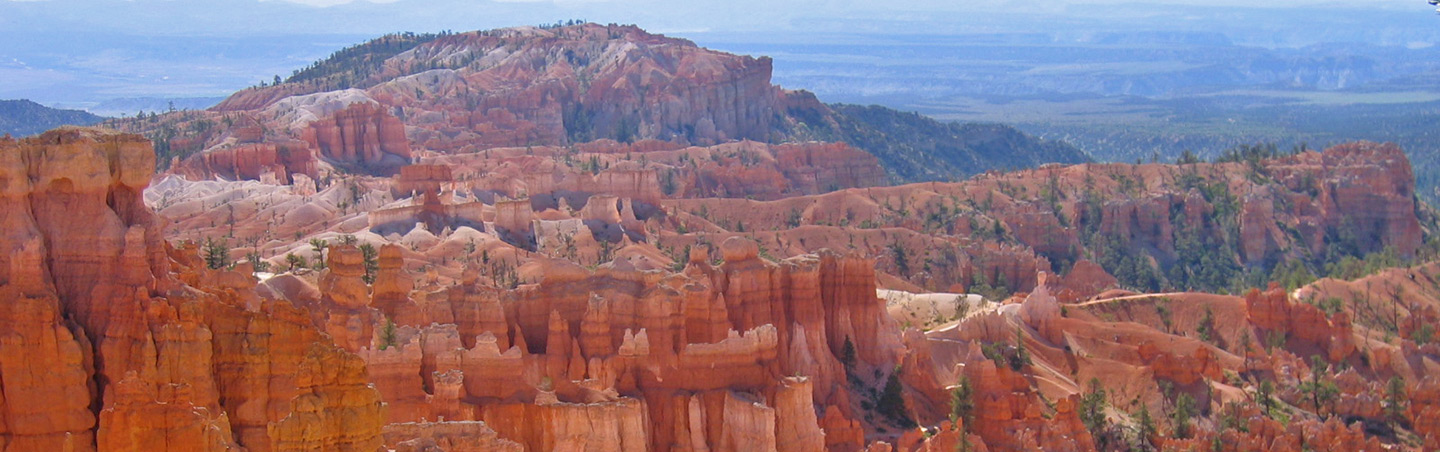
[(178, 367)]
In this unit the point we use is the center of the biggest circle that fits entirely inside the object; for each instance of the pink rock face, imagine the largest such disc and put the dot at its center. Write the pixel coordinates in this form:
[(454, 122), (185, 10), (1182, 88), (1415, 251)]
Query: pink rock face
[(635, 86), (822, 167), (253, 161), (361, 134)]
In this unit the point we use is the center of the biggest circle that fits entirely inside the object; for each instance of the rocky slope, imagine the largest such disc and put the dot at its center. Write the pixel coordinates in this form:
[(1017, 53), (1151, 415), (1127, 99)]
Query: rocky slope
[(370, 106), (1208, 226), (430, 253), (602, 313), (107, 348), (535, 289)]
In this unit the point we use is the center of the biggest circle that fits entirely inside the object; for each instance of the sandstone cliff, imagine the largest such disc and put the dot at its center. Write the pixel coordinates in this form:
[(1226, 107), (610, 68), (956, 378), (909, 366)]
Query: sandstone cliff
[(99, 321)]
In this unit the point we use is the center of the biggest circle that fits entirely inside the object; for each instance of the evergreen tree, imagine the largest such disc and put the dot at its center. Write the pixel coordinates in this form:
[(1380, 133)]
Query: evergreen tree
[(1022, 354), (294, 261), (1263, 397), (318, 246), (217, 254), (962, 402), (1092, 412), (847, 354), (892, 401), (259, 264), (371, 257), (1320, 389), (387, 334), (1180, 418), (1146, 426), (1395, 399)]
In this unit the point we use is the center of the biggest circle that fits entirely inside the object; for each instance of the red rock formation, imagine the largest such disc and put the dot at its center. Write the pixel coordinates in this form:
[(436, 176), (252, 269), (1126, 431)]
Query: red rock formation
[(345, 299), (822, 167), (1363, 188), (178, 367), (254, 161), (638, 85), (465, 436), (1273, 310), (1086, 279), (391, 290), (139, 418), (361, 134), (646, 359)]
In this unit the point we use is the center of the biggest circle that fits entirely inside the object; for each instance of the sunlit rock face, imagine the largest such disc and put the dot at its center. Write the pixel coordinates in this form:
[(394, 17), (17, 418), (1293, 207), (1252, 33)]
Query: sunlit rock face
[(98, 319)]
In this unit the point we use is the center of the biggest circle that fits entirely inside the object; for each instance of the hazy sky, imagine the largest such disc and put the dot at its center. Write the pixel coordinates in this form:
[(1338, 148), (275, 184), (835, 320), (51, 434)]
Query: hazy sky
[(250, 17), (81, 52)]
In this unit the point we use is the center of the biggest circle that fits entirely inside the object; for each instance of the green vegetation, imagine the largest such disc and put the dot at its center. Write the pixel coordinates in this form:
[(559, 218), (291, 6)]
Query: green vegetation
[(295, 262), (319, 246), (915, 148), (387, 334), (1092, 413), (1263, 397), (847, 354), (351, 67), (1145, 428), (962, 402), (24, 118), (1396, 400), (891, 403), (902, 262), (1206, 328), (1206, 256), (216, 254), (1180, 418), (1004, 354), (371, 258), (1320, 389), (259, 264)]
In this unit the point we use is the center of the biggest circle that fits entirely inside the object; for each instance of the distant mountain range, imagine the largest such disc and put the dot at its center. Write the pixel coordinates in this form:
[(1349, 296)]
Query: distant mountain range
[(23, 118), (132, 105)]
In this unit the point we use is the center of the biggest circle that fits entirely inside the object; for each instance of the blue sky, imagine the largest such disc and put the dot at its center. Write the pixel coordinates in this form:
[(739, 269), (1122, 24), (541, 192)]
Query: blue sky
[(80, 52), (251, 17)]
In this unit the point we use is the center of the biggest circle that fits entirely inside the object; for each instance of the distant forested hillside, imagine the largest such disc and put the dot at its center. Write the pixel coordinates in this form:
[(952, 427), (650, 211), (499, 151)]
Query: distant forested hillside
[(23, 118), (916, 148)]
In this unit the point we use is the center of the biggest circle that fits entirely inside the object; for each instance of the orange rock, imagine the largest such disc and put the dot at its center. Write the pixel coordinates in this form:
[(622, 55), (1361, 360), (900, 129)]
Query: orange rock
[(464, 436), (180, 367), (335, 408)]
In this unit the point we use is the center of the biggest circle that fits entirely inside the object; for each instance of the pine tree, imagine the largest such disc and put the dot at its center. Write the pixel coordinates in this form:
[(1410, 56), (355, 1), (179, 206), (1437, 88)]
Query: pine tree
[(892, 401), (1262, 396), (1395, 399), (1320, 389), (962, 402), (1180, 418), (259, 264), (371, 257), (319, 246), (217, 254), (847, 354), (294, 261), (1146, 425), (1092, 413), (387, 334)]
